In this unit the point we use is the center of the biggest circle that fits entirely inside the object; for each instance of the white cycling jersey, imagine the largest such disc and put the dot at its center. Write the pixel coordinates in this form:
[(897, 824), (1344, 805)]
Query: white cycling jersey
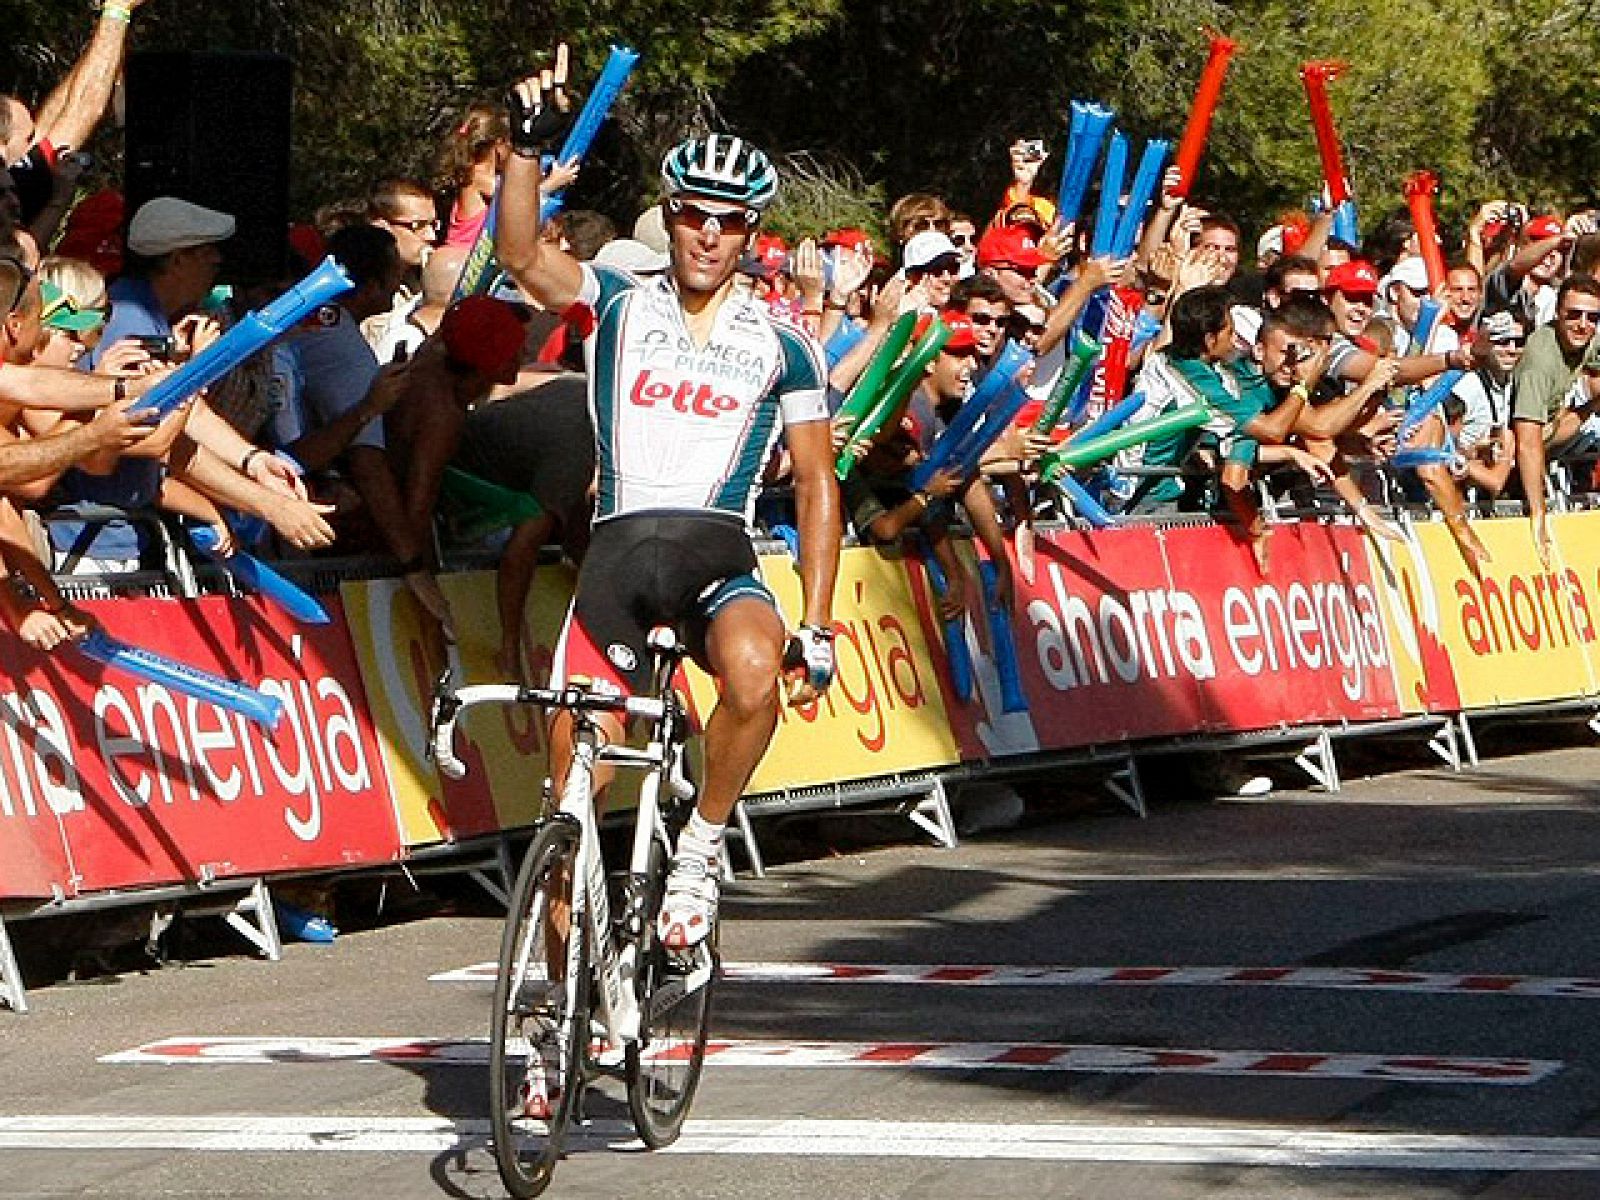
[(685, 427)]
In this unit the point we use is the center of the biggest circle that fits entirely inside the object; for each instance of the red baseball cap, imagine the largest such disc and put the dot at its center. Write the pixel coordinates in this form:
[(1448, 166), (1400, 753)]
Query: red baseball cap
[(485, 333), (1540, 228), (1012, 246), (962, 335), (94, 233), (772, 252), (1353, 278), (850, 239)]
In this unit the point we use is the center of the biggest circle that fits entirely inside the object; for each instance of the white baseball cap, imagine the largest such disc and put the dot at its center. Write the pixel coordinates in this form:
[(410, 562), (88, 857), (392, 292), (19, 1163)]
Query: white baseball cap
[(927, 247), (166, 224)]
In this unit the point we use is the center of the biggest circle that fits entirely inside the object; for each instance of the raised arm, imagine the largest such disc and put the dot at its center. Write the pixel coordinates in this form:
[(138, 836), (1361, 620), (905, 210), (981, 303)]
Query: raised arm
[(72, 110), (540, 112)]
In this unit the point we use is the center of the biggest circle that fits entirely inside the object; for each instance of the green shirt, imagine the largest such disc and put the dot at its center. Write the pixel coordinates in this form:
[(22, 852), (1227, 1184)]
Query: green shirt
[(1236, 393), (1545, 376)]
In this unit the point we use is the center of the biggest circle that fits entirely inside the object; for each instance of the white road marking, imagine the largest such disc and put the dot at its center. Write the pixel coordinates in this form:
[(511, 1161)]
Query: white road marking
[(967, 975), (1155, 1143), (921, 1055)]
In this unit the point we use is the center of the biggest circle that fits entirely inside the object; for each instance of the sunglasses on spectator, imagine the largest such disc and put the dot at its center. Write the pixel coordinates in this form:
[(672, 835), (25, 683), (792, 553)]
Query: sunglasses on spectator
[(922, 224), (24, 278), (964, 239), (698, 217), (1589, 316), (986, 319), (1517, 340), (1021, 326), (945, 265), (419, 225)]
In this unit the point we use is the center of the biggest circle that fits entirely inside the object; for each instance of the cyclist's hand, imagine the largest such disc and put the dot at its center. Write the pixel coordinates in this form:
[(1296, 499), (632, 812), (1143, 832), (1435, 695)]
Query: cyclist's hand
[(541, 108), (808, 664)]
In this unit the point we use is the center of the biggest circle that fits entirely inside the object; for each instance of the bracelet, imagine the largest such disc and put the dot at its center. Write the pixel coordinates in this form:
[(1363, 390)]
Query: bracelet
[(249, 457), (810, 312), (824, 632), (922, 498), (116, 12)]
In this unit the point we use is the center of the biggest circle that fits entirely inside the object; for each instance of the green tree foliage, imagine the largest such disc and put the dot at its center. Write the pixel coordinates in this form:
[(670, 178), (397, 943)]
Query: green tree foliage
[(922, 93)]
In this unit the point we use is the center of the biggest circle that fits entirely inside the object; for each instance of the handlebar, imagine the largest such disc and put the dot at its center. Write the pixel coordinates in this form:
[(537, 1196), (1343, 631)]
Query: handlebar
[(449, 703)]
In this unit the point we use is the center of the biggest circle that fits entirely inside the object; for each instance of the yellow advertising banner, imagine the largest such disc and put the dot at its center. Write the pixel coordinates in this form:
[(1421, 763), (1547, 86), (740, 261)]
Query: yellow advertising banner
[(1521, 632), (402, 654), (1424, 679), (884, 712)]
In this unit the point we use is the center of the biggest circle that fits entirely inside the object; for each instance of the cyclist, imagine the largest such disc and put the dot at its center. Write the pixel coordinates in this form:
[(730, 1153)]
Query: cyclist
[(690, 383)]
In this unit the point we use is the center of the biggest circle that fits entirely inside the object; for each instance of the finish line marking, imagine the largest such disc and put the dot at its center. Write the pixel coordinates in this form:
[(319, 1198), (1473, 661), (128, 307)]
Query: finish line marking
[(942, 1056), (1326, 978), (1189, 1145)]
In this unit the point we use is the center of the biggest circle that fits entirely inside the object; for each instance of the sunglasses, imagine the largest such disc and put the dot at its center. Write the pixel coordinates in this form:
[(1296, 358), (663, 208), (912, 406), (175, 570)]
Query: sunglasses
[(418, 226), (697, 217), (986, 319), (1589, 316), (24, 278), (964, 239), (939, 266), (1518, 342), (1021, 325), (922, 224)]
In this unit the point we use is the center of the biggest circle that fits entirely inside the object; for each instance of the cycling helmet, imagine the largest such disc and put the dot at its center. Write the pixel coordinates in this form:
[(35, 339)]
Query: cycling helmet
[(721, 167)]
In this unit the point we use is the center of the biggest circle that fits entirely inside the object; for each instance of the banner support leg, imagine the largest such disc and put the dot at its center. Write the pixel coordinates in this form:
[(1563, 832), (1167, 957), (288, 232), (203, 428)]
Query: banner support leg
[(262, 931), (1467, 742), (1124, 784), (1318, 761), (1446, 743), (932, 816), (12, 993), (745, 834), (484, 874)]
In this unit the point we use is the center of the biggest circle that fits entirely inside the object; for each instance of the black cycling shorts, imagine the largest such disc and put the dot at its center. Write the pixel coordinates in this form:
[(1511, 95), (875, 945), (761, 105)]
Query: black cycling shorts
[(649, 569)]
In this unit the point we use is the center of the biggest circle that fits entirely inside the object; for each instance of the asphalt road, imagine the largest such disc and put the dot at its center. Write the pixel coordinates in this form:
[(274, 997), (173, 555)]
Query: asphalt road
[(1390, 992)]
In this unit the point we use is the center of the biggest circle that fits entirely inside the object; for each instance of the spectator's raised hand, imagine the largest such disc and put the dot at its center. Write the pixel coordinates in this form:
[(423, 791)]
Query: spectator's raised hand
[(890, 302), (194, 333), (850, 270), (1027, 156), (805, 268), (1056, 244), (560, 177), (1582, 224), (1171, 180), (124, 358), (1186, 229)]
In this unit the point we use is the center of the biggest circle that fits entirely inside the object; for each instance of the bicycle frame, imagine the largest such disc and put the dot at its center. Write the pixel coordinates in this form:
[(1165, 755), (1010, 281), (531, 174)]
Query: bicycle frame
[(616, 951)]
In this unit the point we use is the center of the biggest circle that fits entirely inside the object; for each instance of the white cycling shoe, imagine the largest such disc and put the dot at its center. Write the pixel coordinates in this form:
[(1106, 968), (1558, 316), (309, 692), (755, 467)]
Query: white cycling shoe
[(689, 904)]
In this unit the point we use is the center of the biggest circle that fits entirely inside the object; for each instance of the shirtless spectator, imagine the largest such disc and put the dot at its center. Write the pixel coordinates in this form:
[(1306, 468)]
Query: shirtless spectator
[(405, 336)]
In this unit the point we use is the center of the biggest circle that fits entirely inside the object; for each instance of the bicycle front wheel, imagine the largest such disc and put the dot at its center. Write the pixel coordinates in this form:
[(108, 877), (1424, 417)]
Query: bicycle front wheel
[(541, 1014), (675, 1019)]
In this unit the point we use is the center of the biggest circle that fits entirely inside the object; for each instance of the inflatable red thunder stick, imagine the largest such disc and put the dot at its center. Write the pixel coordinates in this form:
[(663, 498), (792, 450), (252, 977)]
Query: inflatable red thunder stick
[(1198, 129), (1316, 76), (1420, 189)]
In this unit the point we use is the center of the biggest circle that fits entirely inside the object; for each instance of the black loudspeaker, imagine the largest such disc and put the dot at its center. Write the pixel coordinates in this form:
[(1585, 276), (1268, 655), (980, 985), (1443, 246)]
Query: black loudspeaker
[(213, 129)]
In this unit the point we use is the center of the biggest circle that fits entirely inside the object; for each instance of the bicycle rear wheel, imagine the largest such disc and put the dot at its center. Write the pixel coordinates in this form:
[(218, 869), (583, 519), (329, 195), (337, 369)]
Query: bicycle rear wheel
[(675, 1020), (540, 1025)]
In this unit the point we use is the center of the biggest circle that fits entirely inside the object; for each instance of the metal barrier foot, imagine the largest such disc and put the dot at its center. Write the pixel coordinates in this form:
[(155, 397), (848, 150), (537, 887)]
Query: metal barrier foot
[(1125, 786), (253, 919), (1318, 761), (743, 832), (932, 816)]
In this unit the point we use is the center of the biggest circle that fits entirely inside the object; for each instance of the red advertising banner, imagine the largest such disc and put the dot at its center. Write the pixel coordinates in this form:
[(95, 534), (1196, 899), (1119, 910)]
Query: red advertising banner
[(151, 787), (1302, 644), (1136, 633)]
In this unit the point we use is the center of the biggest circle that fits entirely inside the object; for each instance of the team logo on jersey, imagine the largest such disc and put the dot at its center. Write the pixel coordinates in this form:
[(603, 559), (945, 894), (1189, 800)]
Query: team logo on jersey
[(622, 657), (652, 389)]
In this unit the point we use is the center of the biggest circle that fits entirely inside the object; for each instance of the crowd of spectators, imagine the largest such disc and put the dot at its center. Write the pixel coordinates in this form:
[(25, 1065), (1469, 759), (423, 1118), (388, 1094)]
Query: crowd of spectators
[(380, 425)]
